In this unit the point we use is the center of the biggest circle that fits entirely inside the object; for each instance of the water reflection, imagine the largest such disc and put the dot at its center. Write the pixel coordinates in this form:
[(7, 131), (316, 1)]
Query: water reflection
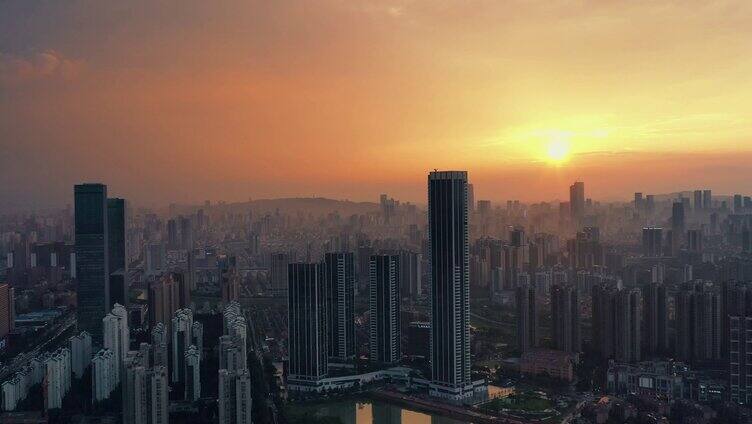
[(351, 412)]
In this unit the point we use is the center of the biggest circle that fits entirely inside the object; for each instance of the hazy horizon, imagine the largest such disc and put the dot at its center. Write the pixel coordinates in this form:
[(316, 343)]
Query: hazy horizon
[(349, 99)]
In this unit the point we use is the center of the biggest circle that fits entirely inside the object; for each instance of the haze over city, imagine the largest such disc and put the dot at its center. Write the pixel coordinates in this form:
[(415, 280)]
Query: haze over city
[(182, 102), (375, 212)]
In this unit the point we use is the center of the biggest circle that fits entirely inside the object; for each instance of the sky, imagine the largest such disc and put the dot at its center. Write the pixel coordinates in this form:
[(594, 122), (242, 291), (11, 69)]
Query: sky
[(182, 101)]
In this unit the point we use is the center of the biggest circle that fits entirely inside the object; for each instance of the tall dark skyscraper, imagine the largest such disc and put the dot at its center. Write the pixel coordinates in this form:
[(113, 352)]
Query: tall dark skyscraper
[(738, 340), (339, 275), (628, 325), (604, 329), (565, 318), (172, 234), (384, 310), (278, 273), (186, 232), (652, 242), (678, 225), (450, 285), (697, 203), (656, 319), (617, 315), (307, 301), (738, 203), (698, 322), (527, 317), (707, 199), (577, 201), (92, 258), (410, 274), (116, 222)]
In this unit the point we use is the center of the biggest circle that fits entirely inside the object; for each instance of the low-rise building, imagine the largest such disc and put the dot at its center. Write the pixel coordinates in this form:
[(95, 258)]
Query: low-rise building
[(547, 362)]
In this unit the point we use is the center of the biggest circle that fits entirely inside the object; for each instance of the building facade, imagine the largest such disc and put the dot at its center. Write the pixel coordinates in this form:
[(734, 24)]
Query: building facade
[(449, 285), (384, 309)]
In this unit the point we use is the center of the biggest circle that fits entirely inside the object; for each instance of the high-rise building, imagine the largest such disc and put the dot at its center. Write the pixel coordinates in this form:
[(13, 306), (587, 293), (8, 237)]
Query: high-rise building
[(307, 306), (384, 310), (410, 274), (565, 318), (57, 378), (234, 397), (739, 342), (707, 199), (103, 374), (677, 227), (339, 275), (278, 273), (449, 267), (80, 348), (694, 240), (234, 341), (145, 394), (186, 232), (738, 203), (192, 374), (181, 340), (652, 242), (92, 258), (229, 279), (165, 298), (577, 201), (527, 317), (639, 202), (698, 323), (172, 234), (697, 205), (159, 342), (656, 319), (7, 310), (116, 336), (118, 267), (616, 323), (628, 325)]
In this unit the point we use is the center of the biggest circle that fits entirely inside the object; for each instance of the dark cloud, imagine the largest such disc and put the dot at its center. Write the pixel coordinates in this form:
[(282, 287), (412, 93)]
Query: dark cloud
[(42, 65)]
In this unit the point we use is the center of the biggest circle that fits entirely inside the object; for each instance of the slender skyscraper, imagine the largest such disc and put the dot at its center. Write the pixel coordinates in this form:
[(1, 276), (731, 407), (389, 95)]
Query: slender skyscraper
[(652, 242), (92, 258), (307, 326), (656, 319), (278, 273), (339, 273), (677, 227), (450, 285), (118, 278), (707, 199), (577, 201), (385, 309), (697, 206), (565, 317), (527, 317), (627, 322)]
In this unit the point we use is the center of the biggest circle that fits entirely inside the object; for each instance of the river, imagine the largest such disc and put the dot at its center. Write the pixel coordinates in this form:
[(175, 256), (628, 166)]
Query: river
[(375, 412)]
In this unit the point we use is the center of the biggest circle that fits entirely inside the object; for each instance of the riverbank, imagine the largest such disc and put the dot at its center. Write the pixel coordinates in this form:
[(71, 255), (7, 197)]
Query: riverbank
[(438, 408)]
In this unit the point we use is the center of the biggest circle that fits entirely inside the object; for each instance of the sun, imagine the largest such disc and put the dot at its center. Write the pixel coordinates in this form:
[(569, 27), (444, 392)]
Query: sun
[(557, 149)]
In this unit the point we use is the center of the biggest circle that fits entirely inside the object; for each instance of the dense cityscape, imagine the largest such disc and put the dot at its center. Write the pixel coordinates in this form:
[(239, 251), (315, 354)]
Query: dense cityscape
[(315, 310), (375, 212)]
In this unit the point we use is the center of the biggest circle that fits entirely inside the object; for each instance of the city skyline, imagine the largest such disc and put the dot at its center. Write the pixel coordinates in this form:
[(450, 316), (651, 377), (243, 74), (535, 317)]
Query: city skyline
[(376, 212), (385, 92)]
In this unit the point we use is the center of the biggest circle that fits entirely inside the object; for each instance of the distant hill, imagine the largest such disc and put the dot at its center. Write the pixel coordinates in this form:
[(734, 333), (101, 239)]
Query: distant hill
[(306, 205)]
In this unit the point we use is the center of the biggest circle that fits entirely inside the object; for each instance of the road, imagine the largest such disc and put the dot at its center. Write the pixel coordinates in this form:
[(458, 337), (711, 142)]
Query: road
[(23, 359)]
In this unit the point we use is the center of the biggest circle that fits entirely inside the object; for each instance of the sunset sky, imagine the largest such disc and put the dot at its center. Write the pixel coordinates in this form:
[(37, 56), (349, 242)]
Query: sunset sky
[(193, 99)]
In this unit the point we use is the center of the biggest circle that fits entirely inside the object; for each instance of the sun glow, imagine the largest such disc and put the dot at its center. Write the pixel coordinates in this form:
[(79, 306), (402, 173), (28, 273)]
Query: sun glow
[(557, 149)]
